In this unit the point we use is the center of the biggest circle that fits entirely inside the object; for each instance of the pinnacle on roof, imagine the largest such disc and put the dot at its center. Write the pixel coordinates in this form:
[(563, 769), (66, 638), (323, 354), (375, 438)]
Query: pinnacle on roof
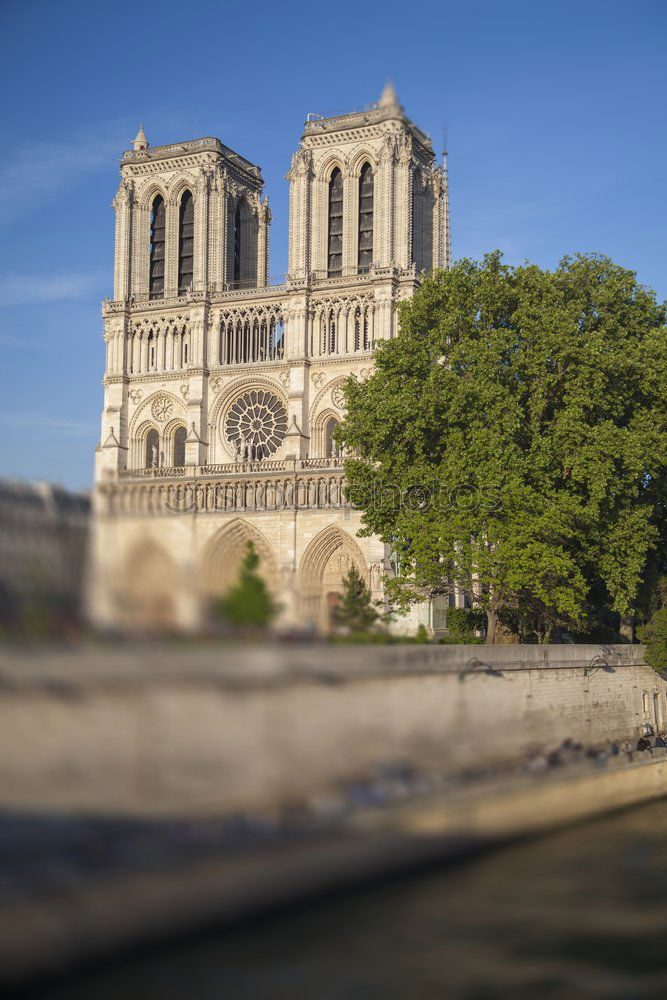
[(388, 98), (141, 142)]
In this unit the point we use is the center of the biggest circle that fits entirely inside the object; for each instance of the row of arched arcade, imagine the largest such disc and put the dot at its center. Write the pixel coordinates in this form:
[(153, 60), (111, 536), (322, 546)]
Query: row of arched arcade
[(153, 580)]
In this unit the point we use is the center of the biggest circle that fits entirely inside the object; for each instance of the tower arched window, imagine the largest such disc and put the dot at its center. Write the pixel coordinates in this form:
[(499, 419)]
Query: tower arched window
[(186, 241), (156, 280), (329, 340), (365, 253), (330, 444), (422, 223), (152, 449), (237, 243), (179, 446), (335, 247)]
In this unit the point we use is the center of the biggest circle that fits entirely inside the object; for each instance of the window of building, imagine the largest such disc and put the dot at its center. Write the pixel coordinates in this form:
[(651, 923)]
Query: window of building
[(237, 243), (335, 258), (277, 339), (256, 425), (186, 240), (422, 224), (362, 339), (240, 344), (365, 256), (179, 446), (152, 449), (329, 338), (330, 444), (156, 279)]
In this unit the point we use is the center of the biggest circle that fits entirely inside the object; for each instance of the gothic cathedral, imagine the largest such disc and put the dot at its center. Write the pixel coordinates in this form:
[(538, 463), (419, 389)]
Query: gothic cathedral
[(222, 391)]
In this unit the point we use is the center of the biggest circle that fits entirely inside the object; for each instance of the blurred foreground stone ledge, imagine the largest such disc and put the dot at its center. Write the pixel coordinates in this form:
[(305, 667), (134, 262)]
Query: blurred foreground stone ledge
[(250, 664), (158, 731)]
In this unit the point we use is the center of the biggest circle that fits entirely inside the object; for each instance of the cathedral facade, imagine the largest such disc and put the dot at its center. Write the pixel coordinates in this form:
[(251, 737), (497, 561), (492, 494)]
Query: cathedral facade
[(222, 391)]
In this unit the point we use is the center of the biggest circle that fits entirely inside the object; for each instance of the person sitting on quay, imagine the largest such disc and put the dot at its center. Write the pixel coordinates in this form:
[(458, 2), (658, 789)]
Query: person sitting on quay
[(644, 743), (660, 741)]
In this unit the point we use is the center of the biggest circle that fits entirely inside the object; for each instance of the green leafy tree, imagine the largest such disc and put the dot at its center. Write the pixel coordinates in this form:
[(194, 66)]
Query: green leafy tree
[(513, 440), (249, 605), (465, 622), (355, 610), (654, 633)]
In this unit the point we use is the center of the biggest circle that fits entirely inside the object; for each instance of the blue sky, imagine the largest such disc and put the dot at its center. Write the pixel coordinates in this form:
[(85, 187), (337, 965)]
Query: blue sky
[(553, 112)]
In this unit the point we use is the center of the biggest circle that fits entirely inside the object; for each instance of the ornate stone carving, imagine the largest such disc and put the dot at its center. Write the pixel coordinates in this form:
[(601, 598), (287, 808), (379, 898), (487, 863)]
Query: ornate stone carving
[(285, 379), (162, 408), (338, 397), (234, 491), (302, 162), (318, 378), (124, 193), (185, 390), (404, 144), (376, 575), (388, 149), (135, 395)]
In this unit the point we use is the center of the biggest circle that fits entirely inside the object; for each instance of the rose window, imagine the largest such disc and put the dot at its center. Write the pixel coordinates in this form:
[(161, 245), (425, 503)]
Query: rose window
[(256, 425), (162, 407)]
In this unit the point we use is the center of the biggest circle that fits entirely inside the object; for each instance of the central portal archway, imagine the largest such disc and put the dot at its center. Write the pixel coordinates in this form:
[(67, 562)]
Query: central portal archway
[(324, 564)]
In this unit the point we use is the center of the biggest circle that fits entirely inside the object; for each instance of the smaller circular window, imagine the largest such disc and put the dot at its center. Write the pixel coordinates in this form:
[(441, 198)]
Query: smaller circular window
[(256, 425)]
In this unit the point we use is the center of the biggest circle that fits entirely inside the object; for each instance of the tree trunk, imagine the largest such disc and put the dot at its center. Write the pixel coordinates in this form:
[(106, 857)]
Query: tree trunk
[(627, 629), (491, 624), (496, 631)]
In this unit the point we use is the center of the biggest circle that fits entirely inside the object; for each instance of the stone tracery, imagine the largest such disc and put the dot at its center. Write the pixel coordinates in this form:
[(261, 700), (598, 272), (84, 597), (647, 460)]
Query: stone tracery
[(158, 344), (252, 333), (256, 424), (343, 325)]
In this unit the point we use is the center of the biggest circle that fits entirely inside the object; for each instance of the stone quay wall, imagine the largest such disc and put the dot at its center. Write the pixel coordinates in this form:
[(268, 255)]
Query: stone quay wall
[(158, 731)]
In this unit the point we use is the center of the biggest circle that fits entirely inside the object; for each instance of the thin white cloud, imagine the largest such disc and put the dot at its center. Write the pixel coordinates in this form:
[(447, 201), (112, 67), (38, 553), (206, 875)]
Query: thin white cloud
[(41, 171), (37, 422), (35, 289)]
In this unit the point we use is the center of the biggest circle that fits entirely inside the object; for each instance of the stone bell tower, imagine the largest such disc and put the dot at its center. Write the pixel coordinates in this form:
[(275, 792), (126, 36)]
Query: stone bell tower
[(190, 224), (409, 209)]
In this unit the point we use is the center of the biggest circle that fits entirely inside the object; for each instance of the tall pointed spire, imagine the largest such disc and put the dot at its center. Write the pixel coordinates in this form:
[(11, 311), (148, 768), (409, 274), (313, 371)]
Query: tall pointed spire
[(140, 142), (388, 97)]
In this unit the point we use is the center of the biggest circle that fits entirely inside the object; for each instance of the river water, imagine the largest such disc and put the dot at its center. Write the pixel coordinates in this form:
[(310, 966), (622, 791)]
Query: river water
[(578, 915)]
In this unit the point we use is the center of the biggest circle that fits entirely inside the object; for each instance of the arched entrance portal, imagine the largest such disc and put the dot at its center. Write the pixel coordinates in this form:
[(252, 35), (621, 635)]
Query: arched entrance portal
[(325, 563), (149, 594), (222, 557)]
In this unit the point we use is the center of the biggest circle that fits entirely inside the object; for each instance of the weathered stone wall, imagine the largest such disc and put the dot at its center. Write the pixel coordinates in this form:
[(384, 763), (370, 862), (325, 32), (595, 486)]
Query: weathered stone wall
[(207, 731)]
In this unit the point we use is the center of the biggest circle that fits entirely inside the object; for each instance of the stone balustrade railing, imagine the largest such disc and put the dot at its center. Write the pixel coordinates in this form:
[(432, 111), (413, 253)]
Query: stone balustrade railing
[(293, 487), (262, 467)]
